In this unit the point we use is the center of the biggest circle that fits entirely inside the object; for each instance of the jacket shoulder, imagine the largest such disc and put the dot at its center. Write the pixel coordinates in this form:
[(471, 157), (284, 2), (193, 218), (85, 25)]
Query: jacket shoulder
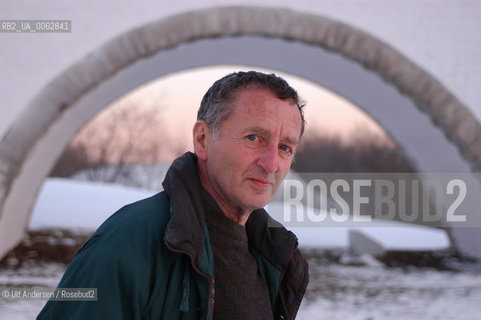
[(139, 219), (134, 232)]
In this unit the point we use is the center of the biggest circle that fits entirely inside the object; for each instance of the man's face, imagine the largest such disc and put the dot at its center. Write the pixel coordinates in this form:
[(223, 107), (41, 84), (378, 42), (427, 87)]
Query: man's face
[(253, 149)]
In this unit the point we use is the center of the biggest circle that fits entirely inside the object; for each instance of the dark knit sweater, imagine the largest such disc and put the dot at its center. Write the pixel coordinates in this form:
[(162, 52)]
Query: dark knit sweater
[(239, 291)]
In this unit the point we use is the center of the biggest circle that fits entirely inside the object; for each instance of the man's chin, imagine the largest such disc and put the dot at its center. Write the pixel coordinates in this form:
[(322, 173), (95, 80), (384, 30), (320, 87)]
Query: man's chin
[(261, 203)]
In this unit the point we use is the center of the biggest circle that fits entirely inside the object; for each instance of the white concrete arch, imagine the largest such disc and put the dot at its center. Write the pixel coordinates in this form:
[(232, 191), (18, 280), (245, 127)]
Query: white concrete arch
[(346, 60)]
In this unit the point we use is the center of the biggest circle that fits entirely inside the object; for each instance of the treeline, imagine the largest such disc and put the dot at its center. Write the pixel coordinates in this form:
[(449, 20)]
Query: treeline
[(115, 141), (110, 146), (363, 152)]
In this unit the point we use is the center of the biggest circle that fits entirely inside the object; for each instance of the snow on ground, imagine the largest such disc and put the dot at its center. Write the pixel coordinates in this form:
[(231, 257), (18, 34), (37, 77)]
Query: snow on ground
[(37, 277), (335, 292), (391, 235), (80, 204), (339, 292), (69, 203)]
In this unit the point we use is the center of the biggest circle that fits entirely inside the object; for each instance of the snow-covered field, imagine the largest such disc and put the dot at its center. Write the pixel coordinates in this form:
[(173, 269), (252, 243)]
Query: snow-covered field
[(336, 291), (366, 293), (81, 204), (35, 277)]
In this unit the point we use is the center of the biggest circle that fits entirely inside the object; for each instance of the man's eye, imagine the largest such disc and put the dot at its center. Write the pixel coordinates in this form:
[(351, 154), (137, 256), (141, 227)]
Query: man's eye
[(252, 137), (286, 149)]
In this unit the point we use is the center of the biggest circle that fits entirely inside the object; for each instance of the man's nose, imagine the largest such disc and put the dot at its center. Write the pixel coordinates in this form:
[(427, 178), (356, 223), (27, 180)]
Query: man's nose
[(269, 159)]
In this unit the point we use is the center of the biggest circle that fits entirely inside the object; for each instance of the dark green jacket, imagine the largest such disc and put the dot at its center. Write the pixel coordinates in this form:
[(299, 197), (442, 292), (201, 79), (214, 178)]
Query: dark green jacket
[(152, 259)]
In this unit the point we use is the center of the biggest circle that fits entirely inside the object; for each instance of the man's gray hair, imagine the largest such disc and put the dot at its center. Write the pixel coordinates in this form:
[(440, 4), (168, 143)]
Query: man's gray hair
[(217, 101)]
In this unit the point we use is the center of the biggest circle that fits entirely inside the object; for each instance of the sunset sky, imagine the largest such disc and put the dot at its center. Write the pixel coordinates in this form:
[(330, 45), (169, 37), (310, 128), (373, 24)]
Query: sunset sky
[(178, 97)]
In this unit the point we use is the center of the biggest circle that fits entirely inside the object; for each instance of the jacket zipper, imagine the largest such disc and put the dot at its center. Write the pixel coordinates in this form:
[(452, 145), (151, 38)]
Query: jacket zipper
[(211, 280)]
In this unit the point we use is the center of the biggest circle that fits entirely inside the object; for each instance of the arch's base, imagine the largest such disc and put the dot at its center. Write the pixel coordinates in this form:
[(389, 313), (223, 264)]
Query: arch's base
[(467, 241)]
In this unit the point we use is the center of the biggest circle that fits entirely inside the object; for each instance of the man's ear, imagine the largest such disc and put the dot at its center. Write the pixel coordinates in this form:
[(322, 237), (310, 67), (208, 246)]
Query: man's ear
[(200, 134)]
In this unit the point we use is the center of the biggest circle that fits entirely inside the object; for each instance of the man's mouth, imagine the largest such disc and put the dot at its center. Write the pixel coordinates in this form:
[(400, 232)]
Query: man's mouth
[(260, 183)]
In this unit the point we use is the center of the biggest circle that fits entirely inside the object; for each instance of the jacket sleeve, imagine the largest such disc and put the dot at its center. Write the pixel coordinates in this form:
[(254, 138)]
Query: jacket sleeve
[(98, 266), (118, 262)]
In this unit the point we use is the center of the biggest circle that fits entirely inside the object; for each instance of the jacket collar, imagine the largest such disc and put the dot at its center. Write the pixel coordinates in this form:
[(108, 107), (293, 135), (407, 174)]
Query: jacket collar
[(186, 230)]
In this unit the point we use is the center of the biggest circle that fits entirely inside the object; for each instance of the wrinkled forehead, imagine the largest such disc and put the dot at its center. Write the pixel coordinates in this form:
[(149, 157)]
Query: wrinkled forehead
[(235, 97), (263, 110)]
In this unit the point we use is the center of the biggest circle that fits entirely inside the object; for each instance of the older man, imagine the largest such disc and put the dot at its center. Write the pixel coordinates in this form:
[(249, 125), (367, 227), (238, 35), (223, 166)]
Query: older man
[(204, 248)]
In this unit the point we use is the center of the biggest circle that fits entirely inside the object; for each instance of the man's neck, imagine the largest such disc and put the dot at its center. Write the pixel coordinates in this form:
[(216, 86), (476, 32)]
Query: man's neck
[(237, 215)]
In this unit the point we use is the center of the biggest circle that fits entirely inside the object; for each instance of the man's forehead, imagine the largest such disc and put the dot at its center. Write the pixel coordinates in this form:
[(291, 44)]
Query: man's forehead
[(260, 109), (258, 100)]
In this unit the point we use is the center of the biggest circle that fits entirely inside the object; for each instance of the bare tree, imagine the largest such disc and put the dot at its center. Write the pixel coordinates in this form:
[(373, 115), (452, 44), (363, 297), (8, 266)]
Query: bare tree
[(114, 141), (365, 152)]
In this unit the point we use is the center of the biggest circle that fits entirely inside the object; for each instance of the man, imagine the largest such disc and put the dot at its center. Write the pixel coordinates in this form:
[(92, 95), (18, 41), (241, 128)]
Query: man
[(204, 248)]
